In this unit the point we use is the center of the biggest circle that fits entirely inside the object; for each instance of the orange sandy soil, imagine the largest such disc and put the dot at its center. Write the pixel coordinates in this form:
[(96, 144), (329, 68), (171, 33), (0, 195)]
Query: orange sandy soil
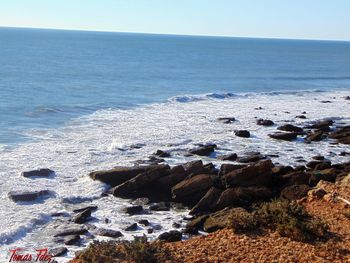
[(226, 246)]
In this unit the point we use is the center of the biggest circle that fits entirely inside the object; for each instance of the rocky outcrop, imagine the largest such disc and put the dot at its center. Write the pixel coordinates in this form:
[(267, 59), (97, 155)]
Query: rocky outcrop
[(208, 201)]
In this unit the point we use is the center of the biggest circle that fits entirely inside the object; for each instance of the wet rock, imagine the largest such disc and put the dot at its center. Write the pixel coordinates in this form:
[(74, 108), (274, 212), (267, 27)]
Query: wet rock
[(315, 136), (242, 133), (321, 124), (326, 101), (150, 230), (177, 174), (250, 157), (290, 128), (344, 153), (285, 136), (144, 222), (67, 231), (341, 134), (59, 214), (27, 196), (190, 231), (208, 201), (119, 175), (133, 210), (72, 240), (108, 233), (176, 225), (300, 117), (252, 175), (205, 150), (295, 192), (197, 222), (347, 98), (82, 217), (191, 190), (318, 158), (227, 119), (134, 186), (313, 164), (58, 251), (265, 122), (132, 227), (162, 154), (171, 236), (228, 157), (91, 208), (194, 167), (281, 170), (39, 173), (161, 206)]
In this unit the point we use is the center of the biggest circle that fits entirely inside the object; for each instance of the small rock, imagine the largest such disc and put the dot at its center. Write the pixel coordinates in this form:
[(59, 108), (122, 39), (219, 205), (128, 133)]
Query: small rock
[(227, 119), (144, 222), (162, 154), (318, 158), (317, 193), (264, 122), (228, 157), (205, 150), (132, 227), (71, 231), (171, 236), (59, 251), (300, 116), (150, 230), (71, 240), (285, 136), (242, 133), (91, 208), (26, 196), (176, 225), (161, 206), (82, 217), (133, 210), (108, 233), (290, 128)]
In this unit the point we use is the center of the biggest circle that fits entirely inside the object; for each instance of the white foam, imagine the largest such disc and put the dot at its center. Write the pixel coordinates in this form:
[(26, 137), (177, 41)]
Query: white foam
[(108, 138)]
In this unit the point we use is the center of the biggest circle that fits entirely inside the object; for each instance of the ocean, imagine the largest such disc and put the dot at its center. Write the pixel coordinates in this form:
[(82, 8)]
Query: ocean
[(76, 101)]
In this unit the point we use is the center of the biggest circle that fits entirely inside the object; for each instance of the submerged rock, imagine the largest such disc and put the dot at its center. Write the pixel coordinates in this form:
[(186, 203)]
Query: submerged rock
[(38, 173), (27, 196)]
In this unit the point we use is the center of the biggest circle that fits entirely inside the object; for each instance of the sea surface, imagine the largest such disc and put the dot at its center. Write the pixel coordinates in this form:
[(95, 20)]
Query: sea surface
[(76, 101)]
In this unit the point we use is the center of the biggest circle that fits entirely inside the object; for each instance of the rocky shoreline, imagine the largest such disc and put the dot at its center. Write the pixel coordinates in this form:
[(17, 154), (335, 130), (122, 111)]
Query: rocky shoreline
[(210, 192)]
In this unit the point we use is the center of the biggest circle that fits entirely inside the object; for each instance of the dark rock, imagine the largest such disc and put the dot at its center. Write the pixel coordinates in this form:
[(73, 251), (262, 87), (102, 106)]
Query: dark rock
[(290, 128), (108, 233), (329, 175), (294, 178), (326, 101), (144, 222), (194, 167), (197, 222), (300, 116), (26, 196), (208, 201), (38, 173), (227, 119), (176, 225), (71, 231), (58, 214), (58, 251), (226, 168), (295, 192), (161, 206), (264, 122), (91, 208), (162, 154), (281, 170), (321, 124), (140, 182), (132, 227), (228, 157), (72, 240), (190, 231), (323, 165), (119, 175), (171, 236), (313, 164), (150, 230), (205, 150), (177, 174), (82, 217), (250, 157), (344, 153), (341, 135), (242, 133), (285, 136), (191, 190), (315, 136), (133, 210), (252, 175), (318, 158)]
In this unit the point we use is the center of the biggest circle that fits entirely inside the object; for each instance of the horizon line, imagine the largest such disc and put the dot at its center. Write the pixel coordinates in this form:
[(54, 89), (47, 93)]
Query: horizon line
[(173, 34)]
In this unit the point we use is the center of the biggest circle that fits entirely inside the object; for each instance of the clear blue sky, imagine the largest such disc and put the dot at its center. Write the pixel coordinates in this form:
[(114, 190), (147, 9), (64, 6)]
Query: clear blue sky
[(311, 19)]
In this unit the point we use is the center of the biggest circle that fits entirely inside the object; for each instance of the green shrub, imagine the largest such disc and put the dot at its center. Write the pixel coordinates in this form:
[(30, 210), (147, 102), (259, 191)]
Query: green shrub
[(242, 221), (100, 252)]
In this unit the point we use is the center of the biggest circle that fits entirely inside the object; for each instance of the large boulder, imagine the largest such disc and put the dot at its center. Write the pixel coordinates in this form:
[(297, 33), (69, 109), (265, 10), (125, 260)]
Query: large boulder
[(218, 220), (194, 167), (252, 175), (204, 150), (27, 196), (135, 186), (119, 175), (208, 201), (191, 190), (38, 173), (226, 168), (285, 136), (341, 134), (177, 174)]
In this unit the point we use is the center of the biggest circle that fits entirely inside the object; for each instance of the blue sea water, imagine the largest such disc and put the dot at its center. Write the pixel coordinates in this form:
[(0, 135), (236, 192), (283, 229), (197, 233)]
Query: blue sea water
[(48, 77)]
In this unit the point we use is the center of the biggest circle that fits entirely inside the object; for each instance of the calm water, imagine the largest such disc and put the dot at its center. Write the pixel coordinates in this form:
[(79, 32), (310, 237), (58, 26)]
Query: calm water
[(48, 77)]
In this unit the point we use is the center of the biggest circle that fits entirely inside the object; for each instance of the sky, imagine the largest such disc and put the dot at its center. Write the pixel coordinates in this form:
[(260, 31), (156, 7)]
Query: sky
[(301, 19)]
